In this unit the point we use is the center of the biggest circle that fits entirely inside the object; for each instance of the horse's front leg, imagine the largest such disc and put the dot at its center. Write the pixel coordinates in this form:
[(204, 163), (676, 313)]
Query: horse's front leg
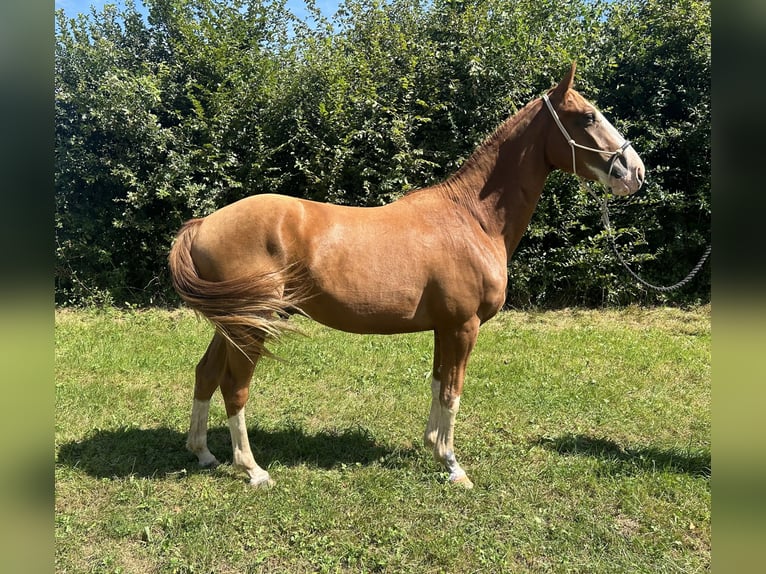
[(455, 347), (432, 428)]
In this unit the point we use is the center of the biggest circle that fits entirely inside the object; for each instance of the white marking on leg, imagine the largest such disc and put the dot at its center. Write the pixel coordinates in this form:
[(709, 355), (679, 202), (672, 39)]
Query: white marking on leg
[(196, 441), (243, 455), (445, 439), (444, 451), (429, 438)]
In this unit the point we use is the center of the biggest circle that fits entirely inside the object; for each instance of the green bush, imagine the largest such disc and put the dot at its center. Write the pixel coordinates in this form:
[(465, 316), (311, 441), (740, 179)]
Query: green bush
[(208, 101)]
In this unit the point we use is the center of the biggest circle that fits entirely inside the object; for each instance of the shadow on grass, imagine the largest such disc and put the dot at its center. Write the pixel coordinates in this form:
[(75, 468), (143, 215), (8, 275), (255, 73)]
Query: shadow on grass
[(630, 459), (160, 452)]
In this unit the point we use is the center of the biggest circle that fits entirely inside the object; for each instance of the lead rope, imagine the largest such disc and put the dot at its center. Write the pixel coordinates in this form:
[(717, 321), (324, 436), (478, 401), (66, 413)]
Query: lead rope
[(608, 228), (605, 210)]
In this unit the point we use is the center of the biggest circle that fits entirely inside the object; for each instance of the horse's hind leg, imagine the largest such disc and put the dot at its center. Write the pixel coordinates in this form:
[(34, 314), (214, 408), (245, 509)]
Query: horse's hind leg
[(208, 373), (235, 387)]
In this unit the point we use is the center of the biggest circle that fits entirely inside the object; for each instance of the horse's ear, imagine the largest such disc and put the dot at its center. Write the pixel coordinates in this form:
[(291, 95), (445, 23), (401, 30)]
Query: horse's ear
[(565, 84)]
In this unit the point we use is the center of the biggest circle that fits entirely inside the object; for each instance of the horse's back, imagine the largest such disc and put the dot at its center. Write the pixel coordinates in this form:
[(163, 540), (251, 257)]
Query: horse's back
[(393, 268), (275, 229)]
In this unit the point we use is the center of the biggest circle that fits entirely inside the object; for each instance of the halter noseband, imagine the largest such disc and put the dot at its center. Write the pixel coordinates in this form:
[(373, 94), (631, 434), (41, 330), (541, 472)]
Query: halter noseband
[(573, 144)]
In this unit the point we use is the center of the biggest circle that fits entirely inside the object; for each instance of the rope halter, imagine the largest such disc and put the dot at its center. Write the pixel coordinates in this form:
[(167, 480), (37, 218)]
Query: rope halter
[(573, 144), (605, 210)]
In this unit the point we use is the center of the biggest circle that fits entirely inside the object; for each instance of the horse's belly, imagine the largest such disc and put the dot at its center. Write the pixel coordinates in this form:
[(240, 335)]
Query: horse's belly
[(369, 311)]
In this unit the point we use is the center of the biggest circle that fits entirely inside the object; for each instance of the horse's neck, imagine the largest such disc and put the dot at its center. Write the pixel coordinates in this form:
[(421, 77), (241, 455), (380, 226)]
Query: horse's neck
[(501, 183)]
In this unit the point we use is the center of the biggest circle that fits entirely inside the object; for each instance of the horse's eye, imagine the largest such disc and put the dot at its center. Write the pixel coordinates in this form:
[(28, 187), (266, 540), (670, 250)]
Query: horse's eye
[(590, 119)]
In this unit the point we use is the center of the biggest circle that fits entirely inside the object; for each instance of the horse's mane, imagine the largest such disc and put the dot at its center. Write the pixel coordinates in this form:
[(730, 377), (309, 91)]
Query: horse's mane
[(451, 185)]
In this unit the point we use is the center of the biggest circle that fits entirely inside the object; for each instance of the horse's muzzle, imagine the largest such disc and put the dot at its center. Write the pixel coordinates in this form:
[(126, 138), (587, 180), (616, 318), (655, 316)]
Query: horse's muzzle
[(627, 173)]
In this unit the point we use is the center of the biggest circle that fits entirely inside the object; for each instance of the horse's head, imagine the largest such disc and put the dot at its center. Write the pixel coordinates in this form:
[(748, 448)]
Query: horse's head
[(582, 141)]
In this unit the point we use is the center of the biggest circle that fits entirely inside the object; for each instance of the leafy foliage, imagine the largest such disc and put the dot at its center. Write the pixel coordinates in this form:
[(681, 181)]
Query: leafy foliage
[(207, 101)]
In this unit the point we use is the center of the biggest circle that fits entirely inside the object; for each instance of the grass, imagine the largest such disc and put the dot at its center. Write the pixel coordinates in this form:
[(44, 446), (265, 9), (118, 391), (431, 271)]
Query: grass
[(587, 434)]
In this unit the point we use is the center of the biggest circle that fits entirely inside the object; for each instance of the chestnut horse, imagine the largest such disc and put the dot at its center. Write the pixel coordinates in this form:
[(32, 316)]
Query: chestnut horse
[(434, 260)]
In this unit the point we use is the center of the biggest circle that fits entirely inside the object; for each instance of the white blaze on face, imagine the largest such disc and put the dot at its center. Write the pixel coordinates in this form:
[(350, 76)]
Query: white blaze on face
[(609, 139)]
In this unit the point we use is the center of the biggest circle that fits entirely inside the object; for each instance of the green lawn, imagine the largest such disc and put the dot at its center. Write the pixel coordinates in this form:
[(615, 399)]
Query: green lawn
[(586, 433)]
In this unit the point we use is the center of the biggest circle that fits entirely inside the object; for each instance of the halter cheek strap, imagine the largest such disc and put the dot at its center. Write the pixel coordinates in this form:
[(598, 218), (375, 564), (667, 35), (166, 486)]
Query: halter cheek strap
[(573, 144)]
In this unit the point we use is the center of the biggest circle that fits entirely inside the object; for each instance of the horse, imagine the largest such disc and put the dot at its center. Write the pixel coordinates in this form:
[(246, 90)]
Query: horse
[(434, 259)]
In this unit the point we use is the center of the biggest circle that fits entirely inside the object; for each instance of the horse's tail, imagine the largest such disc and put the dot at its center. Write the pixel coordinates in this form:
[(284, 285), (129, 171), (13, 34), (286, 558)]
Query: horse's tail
[(247, 311)]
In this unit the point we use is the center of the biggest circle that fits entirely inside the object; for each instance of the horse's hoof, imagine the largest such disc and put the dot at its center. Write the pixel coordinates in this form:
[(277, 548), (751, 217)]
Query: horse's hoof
[(262, 482), (208, 461), (463, 481)]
